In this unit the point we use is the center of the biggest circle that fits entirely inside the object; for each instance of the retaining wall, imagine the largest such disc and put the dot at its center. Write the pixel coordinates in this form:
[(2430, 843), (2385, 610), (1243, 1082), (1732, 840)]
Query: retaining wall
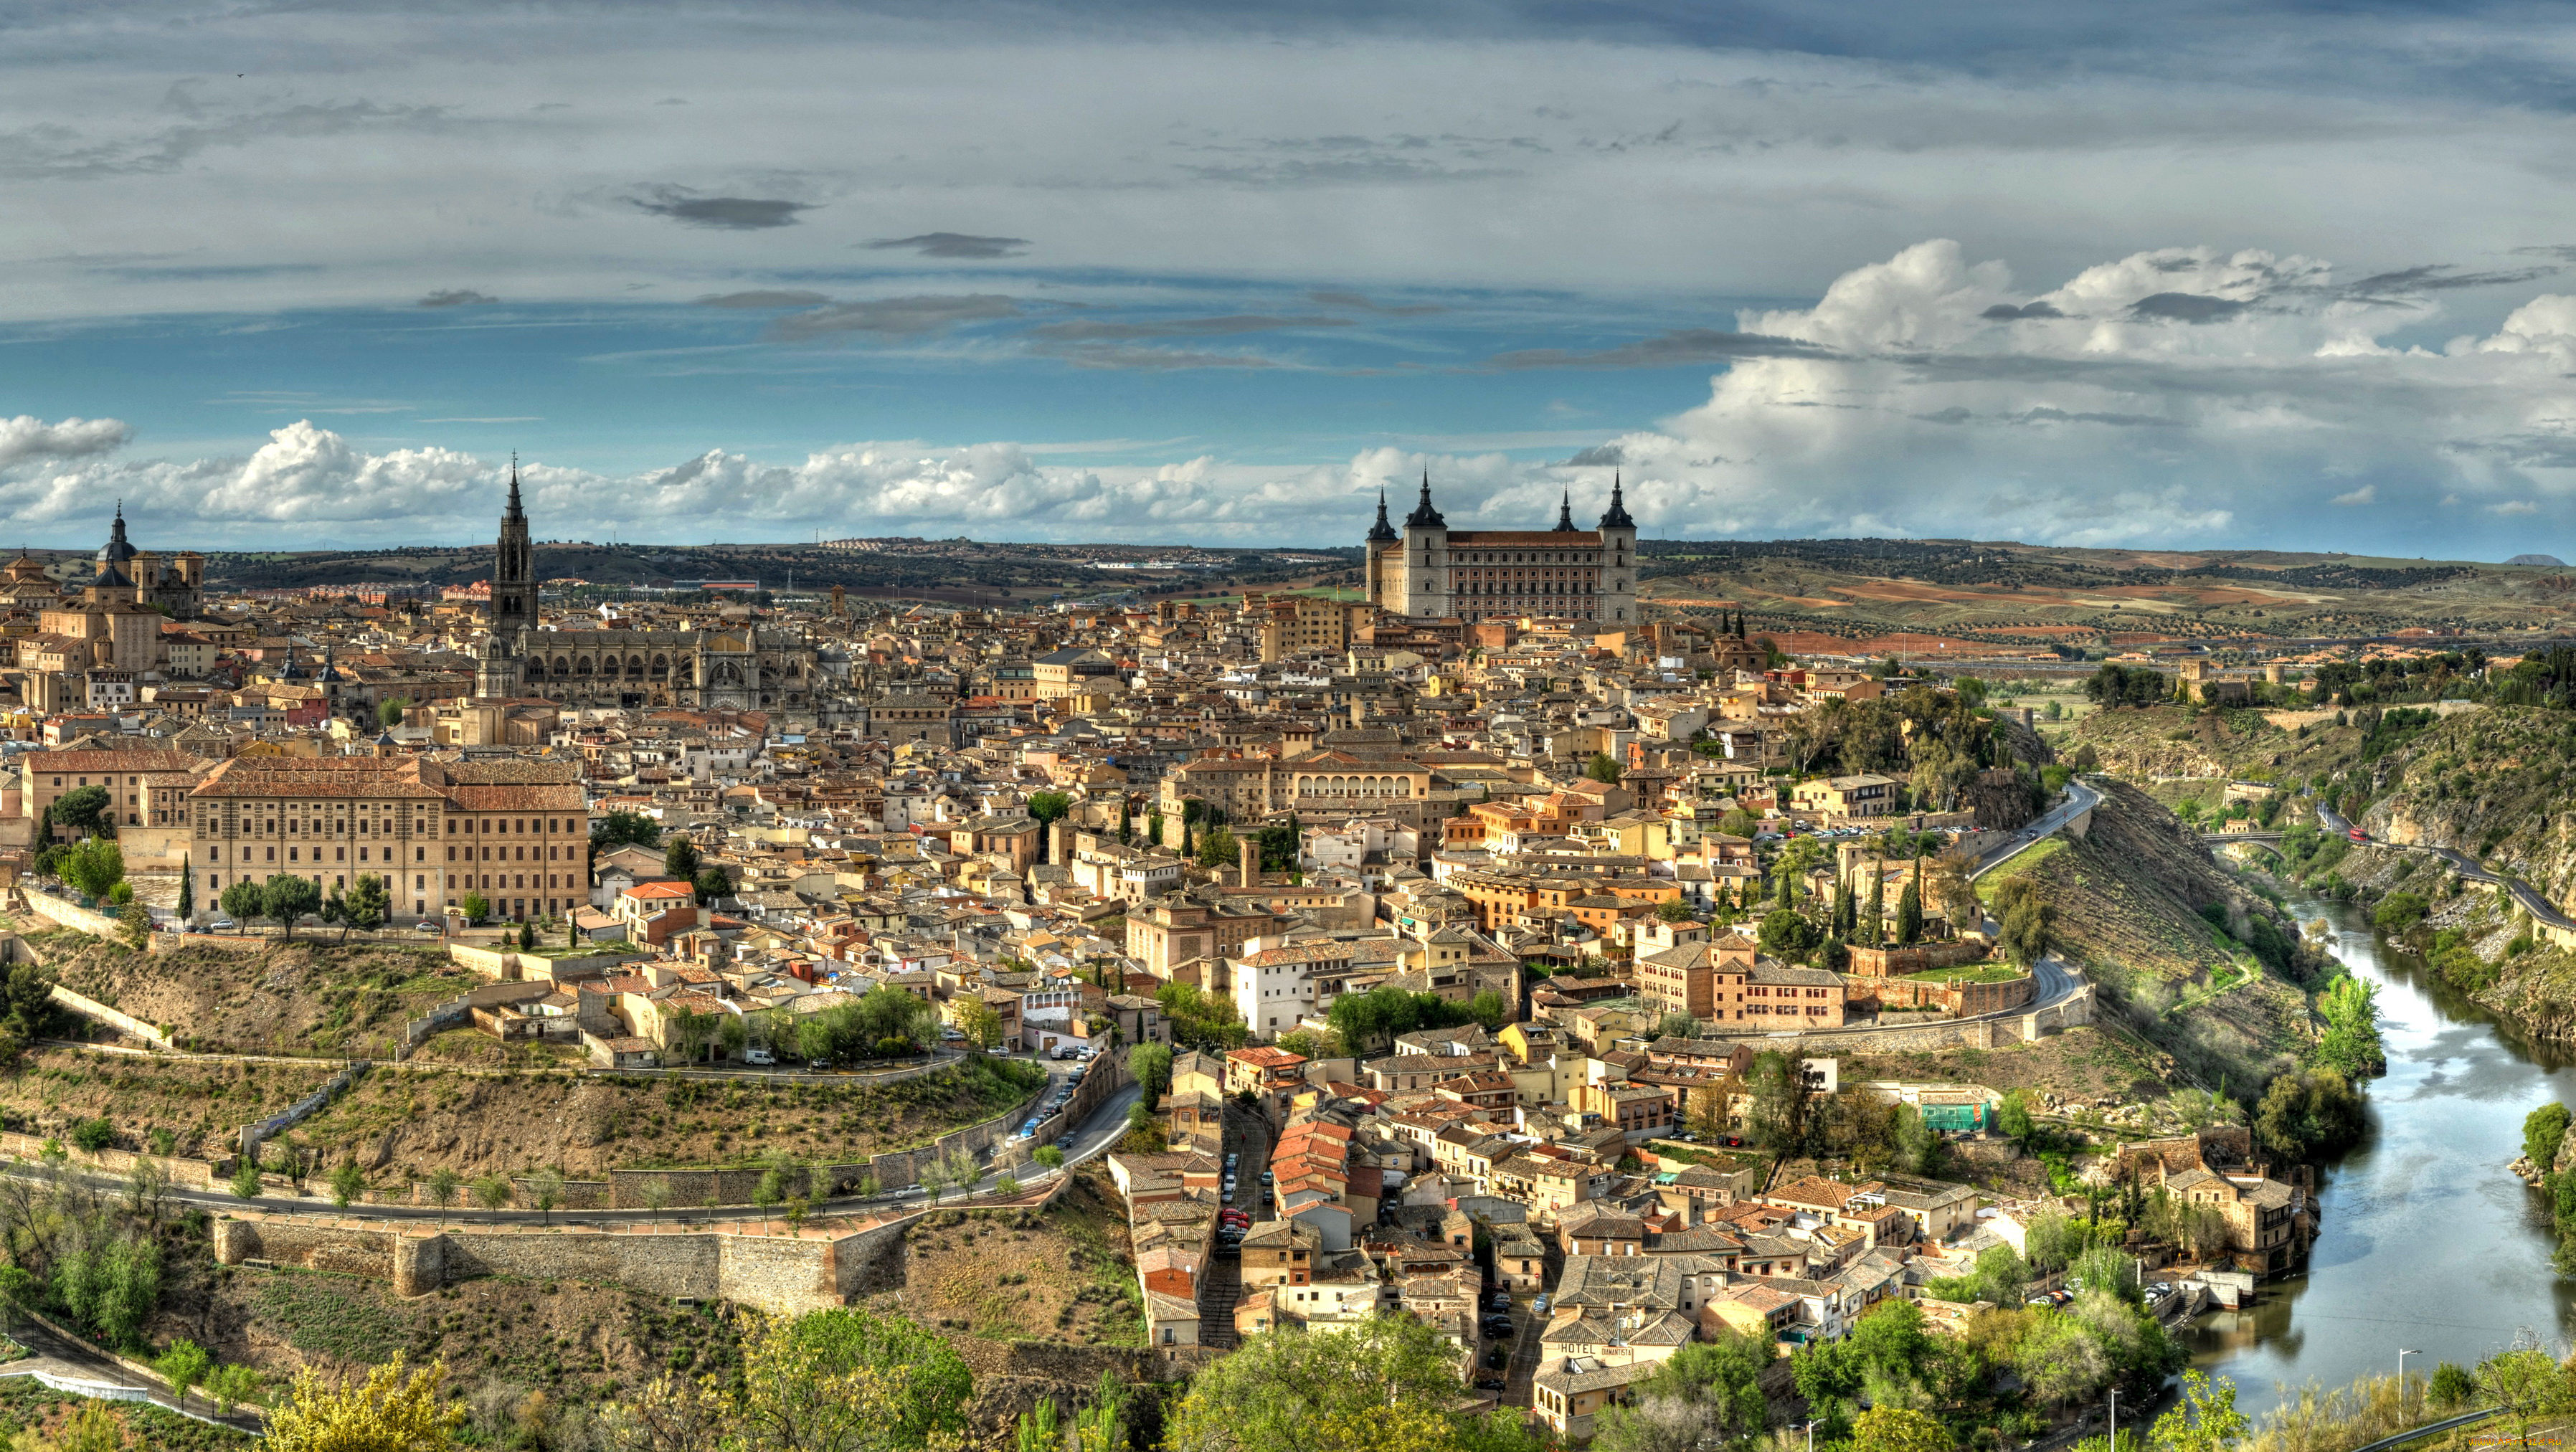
[(189, 1173), (781, 1274), (97, 1012), (70, 915), (509, 965)]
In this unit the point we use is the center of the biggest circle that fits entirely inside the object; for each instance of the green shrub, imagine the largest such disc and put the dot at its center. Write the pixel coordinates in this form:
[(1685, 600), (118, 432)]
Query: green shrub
[(93, 1135)]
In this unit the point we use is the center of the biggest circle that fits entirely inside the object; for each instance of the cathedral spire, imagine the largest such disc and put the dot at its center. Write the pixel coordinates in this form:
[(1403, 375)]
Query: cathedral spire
[(515, 512), (1565, 514)]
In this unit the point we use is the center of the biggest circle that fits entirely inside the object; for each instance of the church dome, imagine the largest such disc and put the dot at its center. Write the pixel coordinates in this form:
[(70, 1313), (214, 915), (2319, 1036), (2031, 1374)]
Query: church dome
[(118, 548)]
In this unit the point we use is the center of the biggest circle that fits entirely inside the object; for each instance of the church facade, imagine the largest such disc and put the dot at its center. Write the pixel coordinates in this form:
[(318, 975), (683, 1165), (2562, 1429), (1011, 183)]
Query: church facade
[(1432, 572), (741, 667)]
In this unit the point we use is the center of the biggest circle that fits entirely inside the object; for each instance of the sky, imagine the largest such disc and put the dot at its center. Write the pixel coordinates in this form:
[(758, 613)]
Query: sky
[(2189, 276)]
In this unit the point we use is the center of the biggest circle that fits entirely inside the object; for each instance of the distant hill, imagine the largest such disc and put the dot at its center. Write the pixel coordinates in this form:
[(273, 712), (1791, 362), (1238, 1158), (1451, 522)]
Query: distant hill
[(1918, 595), (2550, 560)]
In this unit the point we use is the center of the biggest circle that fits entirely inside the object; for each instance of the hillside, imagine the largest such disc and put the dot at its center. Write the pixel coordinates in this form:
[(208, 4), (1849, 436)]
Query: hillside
[(2129, 901), (1970, 592), (302, 996)]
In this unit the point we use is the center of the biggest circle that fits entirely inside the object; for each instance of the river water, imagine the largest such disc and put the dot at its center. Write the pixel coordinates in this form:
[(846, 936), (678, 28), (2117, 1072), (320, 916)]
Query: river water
[(2428, 1243)]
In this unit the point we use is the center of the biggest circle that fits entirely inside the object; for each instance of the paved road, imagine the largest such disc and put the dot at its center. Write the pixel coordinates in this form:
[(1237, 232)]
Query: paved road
[(1098, 1132), (2530, 898), (63, 1356)]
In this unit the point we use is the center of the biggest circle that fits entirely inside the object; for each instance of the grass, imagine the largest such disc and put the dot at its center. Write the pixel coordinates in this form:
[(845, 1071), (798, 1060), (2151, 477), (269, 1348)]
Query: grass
[(2021, 864), (317, 1316), (28, 1404), (1971, 973)]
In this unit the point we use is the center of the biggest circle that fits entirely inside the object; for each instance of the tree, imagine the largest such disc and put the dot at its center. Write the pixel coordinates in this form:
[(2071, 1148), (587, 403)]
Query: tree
[(711, 884), (388, 1412), (1706, 1397), (241, 902), (1217, 849), (2308, 1114), (367, 906), (246, 1179), (1909, 909), (2026, 920), (546, 1188), (187, 895), (2543, 1130), (475, 906), (85, 811), (980, 1023), (680, 859), (134, 925), (389, 713), (1049, 1156), (1388, 1384), (93, 868), (1781, 1097), (1784, 932), (443, 1185), (491, 1192), (184, 1366), (231, 1385), (2013, 1119), (2451, 1386), (1602, 768), (621, 827), (1048, 808), (1672, 910), (2204, 1418), (1899, 1429), (286, 897), (1308, 1044), (1677, 1026), (28, 991), (348, 1182)]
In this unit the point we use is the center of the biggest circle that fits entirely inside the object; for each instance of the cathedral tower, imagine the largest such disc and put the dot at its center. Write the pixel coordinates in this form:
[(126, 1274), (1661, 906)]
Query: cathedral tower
[(514, 570)]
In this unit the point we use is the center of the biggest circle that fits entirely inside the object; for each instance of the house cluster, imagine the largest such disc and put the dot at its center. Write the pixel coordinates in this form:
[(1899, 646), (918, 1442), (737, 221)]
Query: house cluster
[(1452, 1177)]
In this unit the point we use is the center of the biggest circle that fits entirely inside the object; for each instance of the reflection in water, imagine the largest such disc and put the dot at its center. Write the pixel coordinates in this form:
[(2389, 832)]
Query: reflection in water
[(2427, 1244)]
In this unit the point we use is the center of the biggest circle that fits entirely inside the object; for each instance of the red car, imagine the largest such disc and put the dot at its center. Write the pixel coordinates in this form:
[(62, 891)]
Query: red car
[(2359, 835)]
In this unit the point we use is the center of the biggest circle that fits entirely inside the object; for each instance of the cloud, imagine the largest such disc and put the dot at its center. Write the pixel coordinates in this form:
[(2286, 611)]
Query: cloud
[(1155, 359), (733, 214), (1599, 456), (959, 245), (2006, 312), (1093, 330), (27, 439), (2366, 494), (2185, 307), (460, 297), (894, 317), (1360, 302), (763, 298), (1669, 350), (2515, 506)]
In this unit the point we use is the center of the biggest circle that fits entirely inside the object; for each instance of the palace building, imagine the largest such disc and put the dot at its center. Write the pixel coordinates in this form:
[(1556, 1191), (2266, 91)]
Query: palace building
[(1432, 572)]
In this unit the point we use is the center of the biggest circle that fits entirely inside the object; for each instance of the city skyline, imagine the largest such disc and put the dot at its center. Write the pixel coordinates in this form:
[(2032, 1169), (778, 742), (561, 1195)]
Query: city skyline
[(2251, 278)]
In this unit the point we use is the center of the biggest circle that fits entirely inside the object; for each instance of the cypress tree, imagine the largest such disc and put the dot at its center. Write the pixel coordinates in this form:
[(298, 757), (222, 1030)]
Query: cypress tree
[(1909, 906)]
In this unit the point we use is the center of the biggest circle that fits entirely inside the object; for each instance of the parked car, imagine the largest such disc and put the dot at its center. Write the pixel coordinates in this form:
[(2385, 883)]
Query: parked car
[(759, 1057), (1489, 1383), (1496, 1357), (818, 1066), (1064, 1141), (1539, 1305)]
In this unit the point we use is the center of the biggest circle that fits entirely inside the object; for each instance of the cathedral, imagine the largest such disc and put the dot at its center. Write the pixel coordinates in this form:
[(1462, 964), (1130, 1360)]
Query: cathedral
[(1432, 572), (741, 667)]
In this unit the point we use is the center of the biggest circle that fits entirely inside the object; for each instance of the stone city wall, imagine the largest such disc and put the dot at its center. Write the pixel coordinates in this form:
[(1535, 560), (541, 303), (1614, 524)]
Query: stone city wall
[(780, 1274), (186, 1173), (69, 914)]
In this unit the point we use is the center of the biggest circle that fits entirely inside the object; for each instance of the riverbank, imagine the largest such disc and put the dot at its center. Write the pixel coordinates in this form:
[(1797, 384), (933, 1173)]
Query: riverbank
[(2427, 1241)]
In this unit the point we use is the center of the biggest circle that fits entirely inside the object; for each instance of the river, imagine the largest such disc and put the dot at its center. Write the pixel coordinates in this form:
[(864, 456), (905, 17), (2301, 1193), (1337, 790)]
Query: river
[(2428, 1243)]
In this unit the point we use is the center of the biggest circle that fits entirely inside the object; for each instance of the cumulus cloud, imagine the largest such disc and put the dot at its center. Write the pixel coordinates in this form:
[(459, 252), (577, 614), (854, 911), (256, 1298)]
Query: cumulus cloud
[(26, 439), (958, 245), (732, 214), (2366, 494)]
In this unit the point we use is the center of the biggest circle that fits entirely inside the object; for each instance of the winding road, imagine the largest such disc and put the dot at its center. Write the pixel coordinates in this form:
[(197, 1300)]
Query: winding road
[(2529, 898)]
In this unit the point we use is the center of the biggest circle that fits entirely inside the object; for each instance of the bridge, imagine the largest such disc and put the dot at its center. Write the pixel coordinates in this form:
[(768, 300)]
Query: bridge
[(2240, 836)]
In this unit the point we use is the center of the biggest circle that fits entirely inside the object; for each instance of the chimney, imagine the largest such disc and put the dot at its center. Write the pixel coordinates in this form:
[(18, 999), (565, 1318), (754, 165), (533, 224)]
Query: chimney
[(1250, 850)]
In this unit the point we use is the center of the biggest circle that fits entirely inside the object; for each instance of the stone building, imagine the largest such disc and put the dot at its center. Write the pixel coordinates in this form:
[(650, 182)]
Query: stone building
[(1432, 572)]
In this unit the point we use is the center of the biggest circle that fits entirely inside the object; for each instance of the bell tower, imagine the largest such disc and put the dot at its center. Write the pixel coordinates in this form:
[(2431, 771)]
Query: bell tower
[(514, 570)]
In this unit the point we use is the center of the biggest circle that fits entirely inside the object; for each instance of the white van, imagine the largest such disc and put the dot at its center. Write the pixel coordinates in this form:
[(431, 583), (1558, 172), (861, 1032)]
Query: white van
[(759, 1057)]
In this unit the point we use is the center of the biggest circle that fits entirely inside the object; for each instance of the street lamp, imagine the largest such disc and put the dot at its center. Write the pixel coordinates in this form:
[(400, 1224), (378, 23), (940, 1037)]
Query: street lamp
[(2115, 1419), (2402, 1353)]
